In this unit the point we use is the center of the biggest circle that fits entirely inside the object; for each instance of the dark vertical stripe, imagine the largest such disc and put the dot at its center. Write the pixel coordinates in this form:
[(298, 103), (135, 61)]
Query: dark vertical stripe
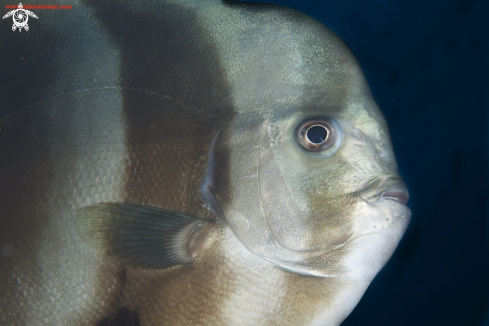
[(26, 164), (176, 98)]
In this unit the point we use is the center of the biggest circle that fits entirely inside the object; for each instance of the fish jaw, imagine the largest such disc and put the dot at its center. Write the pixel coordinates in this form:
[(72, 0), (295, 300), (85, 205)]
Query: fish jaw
[(382, 222), (380, 218), (379, 229)]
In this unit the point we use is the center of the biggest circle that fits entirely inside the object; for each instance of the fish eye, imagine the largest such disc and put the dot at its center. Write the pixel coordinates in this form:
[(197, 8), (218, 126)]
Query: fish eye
[(317, 134)]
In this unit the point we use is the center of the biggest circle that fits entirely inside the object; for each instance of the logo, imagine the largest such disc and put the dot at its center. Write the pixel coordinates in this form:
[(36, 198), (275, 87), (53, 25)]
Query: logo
[(20, 17)]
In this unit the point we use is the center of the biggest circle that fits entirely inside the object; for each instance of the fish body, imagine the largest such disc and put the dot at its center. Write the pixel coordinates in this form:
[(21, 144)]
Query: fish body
[(190, 163)]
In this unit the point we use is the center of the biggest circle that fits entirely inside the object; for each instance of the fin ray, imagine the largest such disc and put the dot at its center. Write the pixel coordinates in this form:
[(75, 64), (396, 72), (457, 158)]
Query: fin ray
[(143, 236)]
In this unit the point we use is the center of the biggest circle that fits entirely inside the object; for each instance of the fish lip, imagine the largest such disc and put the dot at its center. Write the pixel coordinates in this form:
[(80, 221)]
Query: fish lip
[(385, 188), (400, 196)]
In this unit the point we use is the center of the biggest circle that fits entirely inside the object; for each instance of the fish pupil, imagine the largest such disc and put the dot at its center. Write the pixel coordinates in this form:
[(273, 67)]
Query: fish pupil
[(317, 134)]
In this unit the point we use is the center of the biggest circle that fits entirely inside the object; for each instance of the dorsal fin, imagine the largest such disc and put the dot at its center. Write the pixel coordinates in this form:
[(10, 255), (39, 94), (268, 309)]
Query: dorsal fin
[(144, 236)]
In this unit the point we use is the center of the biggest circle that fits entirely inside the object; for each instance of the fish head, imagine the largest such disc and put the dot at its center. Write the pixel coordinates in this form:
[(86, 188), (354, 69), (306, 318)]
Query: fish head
[(305, 174)]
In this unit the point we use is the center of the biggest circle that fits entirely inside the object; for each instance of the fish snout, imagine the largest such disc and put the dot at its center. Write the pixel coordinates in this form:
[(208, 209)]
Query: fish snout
[(384, 207), (385, 188)]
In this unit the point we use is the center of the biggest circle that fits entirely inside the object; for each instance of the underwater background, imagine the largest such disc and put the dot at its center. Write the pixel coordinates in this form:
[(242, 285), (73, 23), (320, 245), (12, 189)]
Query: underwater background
[(427, 64)]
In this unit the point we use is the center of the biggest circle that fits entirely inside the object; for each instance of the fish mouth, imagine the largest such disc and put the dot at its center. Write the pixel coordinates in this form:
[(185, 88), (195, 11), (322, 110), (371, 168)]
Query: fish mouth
[(385, 188), (395, 195)]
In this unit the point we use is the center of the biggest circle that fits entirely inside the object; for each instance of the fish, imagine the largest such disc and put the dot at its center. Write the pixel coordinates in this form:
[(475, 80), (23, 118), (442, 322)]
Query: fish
[(183, 162)]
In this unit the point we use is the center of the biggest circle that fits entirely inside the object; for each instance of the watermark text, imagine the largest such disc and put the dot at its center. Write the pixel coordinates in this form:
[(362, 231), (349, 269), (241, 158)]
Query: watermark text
[(11, 7)]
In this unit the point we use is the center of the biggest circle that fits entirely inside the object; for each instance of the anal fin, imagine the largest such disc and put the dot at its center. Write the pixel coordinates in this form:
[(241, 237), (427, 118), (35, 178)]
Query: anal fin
[(144, 236)]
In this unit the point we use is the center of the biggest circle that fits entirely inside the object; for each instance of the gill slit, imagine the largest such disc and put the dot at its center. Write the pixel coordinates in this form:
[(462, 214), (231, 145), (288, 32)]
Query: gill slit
[(208, 182)]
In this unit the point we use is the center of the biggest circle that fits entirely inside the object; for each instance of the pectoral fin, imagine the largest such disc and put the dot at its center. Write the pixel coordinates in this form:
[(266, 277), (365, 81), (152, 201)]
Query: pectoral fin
[(144, 236)]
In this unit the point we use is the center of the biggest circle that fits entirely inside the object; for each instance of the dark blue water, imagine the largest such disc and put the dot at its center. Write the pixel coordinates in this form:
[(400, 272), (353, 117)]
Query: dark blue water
[(427, 65)]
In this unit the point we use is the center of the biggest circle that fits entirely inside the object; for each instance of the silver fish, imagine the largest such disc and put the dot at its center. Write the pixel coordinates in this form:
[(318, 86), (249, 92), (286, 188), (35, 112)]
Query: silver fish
[(185, 162)]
